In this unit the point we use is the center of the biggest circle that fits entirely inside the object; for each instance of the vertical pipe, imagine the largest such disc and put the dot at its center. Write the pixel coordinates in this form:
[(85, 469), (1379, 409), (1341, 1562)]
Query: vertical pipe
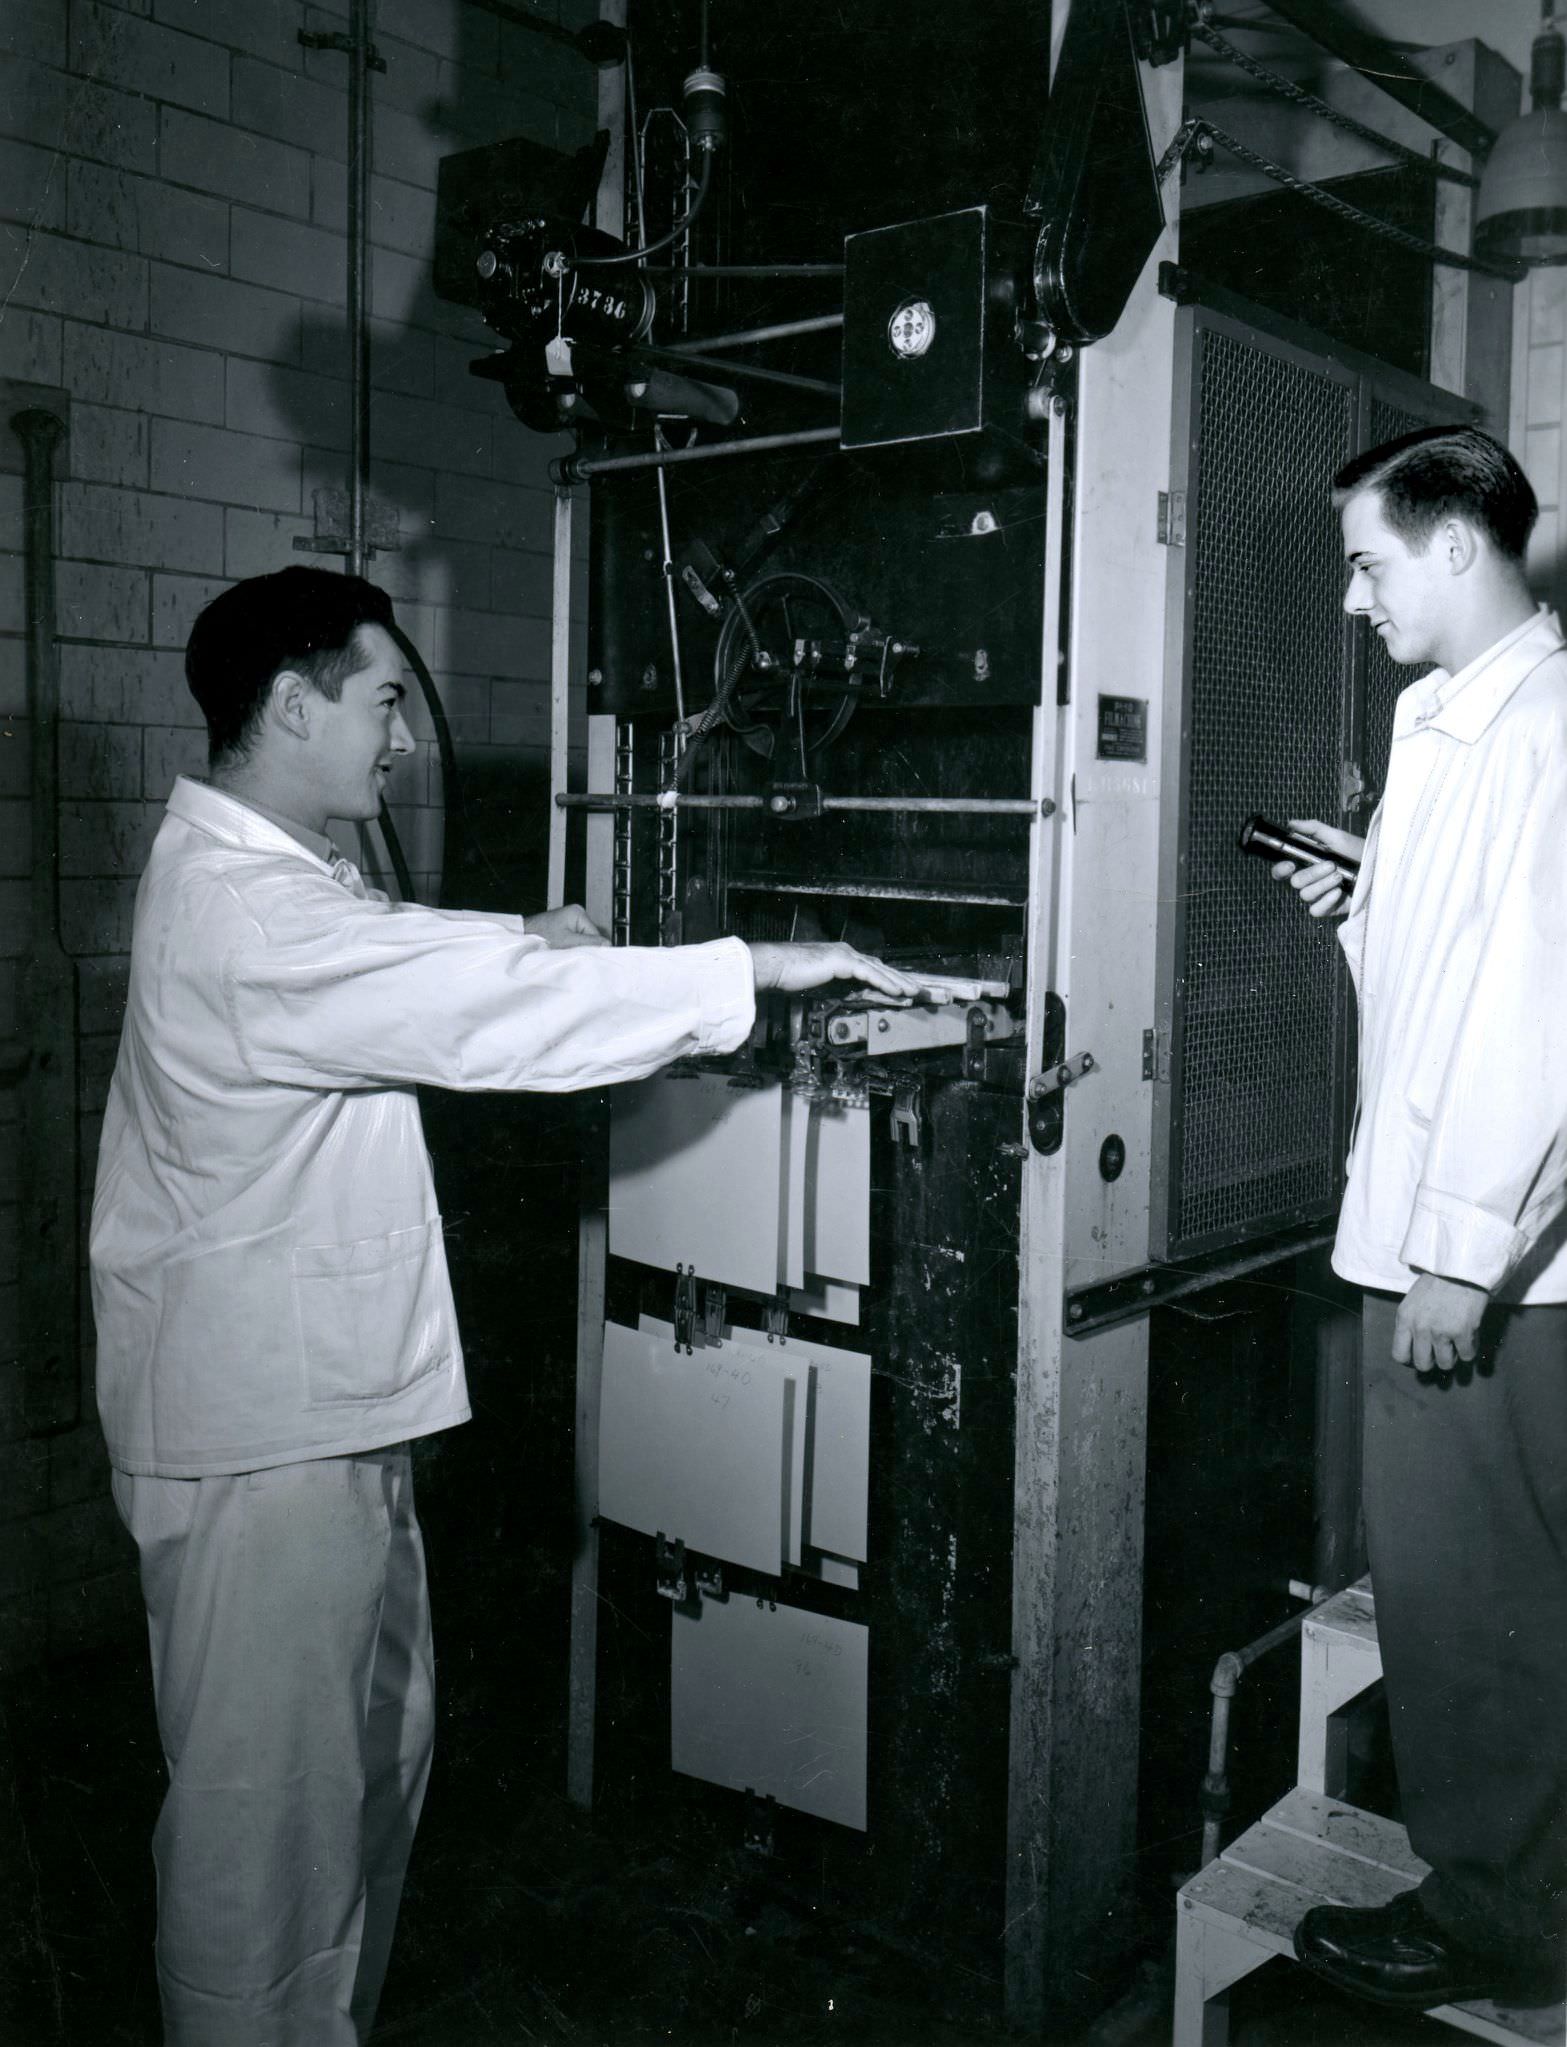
[(48, 1251), (358, 270), (592, 1242), (560, 697)]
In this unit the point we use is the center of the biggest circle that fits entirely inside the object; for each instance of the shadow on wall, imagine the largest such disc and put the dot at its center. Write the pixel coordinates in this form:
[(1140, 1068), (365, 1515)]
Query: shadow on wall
[(460, 511)]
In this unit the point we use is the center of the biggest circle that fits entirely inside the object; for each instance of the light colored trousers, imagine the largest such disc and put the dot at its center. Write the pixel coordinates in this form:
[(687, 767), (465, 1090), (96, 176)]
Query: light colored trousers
[(290, 1628)]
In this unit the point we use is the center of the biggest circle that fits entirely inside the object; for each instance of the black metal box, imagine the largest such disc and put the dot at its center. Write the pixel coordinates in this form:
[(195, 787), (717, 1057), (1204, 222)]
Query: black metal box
[(930, 352)]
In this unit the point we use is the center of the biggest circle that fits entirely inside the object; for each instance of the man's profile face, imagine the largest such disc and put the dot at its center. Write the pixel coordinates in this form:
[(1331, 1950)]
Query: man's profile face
[(1405, 596), (356, 740)]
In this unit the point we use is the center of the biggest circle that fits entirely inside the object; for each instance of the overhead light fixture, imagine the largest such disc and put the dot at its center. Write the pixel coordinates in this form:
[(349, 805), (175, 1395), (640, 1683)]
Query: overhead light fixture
[(1521, 207)]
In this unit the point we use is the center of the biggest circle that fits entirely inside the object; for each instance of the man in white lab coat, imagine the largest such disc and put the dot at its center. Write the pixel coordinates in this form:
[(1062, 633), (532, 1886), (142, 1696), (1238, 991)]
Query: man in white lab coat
[(1455, 1223), (274, 1319)]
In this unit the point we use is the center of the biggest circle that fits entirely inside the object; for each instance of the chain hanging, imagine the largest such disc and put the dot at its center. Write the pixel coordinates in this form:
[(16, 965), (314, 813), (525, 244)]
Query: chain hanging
[(1196, 132), (1287, 89)]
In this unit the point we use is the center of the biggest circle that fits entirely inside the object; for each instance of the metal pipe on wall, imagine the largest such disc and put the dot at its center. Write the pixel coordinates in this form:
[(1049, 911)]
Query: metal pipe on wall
[(47, 1228), (362, 60), (358, 271)]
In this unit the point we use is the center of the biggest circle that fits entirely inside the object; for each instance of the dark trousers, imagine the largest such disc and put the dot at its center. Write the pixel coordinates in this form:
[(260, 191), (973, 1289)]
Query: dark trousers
[(1466, 1523)]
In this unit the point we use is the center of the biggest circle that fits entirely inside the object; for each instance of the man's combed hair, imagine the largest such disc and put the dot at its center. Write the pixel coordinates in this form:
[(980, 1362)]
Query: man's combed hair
[(1445, 472), (299, 618)]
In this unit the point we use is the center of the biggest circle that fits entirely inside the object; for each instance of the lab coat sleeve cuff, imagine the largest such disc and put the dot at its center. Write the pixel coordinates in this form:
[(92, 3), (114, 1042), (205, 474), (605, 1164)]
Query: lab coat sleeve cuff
[(726, 993), (1456, 1240)]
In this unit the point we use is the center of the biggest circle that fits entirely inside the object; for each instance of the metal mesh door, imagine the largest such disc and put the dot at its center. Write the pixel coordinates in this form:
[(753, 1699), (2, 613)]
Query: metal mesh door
[(1279, 696), (1259, 998)]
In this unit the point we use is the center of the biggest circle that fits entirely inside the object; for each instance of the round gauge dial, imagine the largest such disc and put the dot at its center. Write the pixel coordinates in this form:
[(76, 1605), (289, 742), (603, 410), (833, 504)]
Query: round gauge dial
[(912, 328)]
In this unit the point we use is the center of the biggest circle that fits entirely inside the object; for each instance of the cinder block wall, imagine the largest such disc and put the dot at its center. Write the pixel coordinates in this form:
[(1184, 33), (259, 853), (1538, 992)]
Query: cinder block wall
[(173, 193)]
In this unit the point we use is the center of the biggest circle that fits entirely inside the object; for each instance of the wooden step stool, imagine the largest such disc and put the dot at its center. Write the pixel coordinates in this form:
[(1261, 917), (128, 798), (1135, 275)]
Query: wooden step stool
[(1312, 1849)]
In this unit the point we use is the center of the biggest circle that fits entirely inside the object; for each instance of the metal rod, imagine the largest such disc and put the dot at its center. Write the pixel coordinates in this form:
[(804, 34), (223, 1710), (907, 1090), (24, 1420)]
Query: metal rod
[(919, 806), (873, 891), (566, 469), (752, 335), (746, 269), (944, 806), (560, 699), (742, 369), (669, 587), (358, 272), (636, 148)]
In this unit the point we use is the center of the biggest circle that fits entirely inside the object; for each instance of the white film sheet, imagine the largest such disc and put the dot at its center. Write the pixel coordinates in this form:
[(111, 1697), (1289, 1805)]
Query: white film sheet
[(701, 1449), (837, 1486), (828, 1501), (697, 1178), (760, 1356), (836, 1242), (771, 1700)]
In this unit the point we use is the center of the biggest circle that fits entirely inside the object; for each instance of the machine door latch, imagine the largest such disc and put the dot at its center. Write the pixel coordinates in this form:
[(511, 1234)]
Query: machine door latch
[(1060, 1076), (1046, 1097)]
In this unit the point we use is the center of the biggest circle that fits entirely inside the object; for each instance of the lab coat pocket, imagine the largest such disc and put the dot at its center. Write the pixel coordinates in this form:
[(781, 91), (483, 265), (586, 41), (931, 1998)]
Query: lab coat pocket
[(370, 1311)]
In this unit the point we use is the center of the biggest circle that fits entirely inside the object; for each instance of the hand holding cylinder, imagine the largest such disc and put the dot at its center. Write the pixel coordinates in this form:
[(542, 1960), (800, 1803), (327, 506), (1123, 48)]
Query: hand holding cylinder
[(1318, 861)]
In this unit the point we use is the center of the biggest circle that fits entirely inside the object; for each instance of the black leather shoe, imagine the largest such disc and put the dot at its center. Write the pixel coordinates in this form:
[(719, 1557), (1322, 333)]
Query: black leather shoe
[(1396, 1954)]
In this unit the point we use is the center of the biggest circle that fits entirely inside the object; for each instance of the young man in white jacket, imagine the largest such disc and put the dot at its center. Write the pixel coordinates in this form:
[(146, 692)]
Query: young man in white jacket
[(1455, 1223), (273, 1313)]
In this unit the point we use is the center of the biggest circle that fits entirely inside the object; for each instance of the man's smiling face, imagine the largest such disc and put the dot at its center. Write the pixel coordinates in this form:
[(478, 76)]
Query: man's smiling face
[(1406, 596), (357, 738)]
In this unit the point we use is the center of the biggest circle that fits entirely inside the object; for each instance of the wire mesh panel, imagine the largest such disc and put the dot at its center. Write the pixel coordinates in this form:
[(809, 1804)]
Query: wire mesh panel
[(1278, 695), (1259, 994)]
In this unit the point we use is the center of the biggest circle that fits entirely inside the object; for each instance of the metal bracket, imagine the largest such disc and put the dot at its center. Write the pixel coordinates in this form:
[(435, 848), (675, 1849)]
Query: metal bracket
[(684, 1315), (1156, 1053), (669, 1562), (976, 1037), (795, 800), (715, 1312), (775, 1317), (1060, 1076), (908, 1114), (1132, 1294), (709, 1578), (1172, 518), (759, 1822), (325, 39)]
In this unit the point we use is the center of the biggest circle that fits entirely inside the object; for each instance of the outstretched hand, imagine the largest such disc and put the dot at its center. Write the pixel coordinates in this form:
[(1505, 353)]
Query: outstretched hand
[(1320, 886), (793, 969), (570, 925), (1438, 1323)]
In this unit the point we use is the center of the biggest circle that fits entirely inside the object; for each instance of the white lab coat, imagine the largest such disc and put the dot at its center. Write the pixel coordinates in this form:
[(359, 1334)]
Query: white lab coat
[(1457, 941), (269, 1278)]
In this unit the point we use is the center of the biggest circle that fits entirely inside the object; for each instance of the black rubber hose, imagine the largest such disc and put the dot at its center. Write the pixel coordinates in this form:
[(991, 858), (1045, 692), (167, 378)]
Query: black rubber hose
[(663, 242), (454, 847)]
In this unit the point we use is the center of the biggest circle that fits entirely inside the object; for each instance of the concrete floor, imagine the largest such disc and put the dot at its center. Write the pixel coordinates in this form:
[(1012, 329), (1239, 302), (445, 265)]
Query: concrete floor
[(523, 1921)]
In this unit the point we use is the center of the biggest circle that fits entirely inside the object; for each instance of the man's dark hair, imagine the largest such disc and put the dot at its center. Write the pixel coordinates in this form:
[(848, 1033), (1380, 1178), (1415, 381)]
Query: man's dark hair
[(299, 618), (1445, 472)]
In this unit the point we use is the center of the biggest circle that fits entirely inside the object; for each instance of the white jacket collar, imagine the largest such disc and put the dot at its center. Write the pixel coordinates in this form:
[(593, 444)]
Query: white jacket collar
[(235, 823), (1463, 705)]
